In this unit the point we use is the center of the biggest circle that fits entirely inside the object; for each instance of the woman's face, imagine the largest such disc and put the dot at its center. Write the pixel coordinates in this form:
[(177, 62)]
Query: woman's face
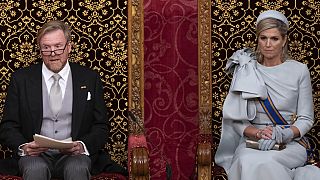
[(271, 44)]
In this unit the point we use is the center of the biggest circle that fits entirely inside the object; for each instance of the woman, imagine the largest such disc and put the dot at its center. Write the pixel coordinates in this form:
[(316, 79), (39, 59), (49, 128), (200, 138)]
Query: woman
[(269, 102)]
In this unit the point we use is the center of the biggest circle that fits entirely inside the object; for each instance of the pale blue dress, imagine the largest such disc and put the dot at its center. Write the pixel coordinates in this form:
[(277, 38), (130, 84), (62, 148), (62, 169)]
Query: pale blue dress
[(289, 87)]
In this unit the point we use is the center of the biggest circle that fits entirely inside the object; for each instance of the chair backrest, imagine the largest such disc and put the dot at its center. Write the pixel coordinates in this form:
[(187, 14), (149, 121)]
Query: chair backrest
[(98, 43), (222, 31)]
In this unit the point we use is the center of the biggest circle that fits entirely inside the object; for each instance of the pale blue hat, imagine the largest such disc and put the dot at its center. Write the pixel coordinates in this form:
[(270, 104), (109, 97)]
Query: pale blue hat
[(273, 14)]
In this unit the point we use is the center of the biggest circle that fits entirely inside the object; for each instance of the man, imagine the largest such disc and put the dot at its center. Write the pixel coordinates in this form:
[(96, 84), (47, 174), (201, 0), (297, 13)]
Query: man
[(60, 100)]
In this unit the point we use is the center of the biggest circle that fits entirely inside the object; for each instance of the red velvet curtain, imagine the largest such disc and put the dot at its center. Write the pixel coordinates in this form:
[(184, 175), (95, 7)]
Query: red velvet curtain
[(171, 86)]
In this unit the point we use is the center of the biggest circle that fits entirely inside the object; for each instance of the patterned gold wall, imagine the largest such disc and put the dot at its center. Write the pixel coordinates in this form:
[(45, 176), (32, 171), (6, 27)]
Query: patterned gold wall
[(99, 35), (233, 27)]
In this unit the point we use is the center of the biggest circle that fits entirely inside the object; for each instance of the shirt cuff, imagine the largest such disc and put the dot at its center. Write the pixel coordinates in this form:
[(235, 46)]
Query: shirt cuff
[(86, 152), (21, 151)]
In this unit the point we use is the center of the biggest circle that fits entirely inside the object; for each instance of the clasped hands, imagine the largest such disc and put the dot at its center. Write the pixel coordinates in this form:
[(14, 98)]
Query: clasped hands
[(33, 149), (269, 136)]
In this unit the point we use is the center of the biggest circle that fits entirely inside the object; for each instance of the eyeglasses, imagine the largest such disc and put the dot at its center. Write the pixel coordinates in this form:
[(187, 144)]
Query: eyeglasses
[(56, 51)]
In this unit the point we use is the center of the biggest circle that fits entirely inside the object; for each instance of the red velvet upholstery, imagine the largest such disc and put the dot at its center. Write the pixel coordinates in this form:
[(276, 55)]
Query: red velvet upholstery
[(2, 177), (102, 176), (108, 176)]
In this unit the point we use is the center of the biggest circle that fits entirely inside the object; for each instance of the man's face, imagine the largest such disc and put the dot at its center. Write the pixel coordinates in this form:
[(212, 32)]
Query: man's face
[(51, 45)]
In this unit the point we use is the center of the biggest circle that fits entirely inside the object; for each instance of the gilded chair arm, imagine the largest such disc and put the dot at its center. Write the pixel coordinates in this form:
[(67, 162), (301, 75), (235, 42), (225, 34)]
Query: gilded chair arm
[(204, 154), (204, 161)]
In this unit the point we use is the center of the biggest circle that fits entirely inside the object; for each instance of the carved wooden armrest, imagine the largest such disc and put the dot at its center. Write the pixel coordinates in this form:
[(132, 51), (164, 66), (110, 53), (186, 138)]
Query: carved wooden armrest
[(204, 161), (204, 154), (139, 163), (138, 157)]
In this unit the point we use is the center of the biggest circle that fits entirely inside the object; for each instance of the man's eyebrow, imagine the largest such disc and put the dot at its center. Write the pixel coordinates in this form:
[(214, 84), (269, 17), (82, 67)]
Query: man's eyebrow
[(60, 43)]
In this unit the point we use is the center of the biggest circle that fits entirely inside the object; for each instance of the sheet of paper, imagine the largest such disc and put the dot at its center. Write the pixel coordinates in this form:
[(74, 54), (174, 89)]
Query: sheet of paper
[(52, 143)]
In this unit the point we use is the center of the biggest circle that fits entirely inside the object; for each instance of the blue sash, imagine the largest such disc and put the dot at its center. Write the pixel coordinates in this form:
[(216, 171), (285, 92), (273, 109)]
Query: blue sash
[(277, 119), (272, 112)]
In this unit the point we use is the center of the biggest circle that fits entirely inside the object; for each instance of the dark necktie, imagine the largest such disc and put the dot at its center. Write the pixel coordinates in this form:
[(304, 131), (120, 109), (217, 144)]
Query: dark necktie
[(55, 96)]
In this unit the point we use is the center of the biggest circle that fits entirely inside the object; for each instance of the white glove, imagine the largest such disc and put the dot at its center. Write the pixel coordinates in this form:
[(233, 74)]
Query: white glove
[(266, 144), (282, 135)]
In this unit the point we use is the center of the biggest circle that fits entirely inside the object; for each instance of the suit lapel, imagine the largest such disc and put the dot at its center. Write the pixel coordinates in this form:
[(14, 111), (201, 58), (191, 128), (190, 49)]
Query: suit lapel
[(80, 92), (34, 96)]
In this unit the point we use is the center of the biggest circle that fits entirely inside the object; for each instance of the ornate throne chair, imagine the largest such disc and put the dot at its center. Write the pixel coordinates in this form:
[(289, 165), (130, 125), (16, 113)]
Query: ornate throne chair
[(224, 27)]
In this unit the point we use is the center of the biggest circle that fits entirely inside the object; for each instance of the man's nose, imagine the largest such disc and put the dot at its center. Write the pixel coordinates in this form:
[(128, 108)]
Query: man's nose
[(53, 53)]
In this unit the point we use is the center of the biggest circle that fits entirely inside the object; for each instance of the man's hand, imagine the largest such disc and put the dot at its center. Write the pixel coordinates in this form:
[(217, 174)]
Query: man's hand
[(32, 149), (76, 149)]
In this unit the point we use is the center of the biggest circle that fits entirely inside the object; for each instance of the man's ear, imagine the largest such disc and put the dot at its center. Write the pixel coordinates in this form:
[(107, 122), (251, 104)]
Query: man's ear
[(70, 47)]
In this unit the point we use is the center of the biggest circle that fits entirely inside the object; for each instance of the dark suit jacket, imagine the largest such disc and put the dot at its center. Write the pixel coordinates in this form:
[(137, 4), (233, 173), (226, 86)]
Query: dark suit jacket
[(23, 111)]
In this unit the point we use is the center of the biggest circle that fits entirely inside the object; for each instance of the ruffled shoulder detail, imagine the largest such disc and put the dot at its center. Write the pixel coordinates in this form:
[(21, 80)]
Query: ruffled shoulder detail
[(240, 57), (246, 78), (246, 85)]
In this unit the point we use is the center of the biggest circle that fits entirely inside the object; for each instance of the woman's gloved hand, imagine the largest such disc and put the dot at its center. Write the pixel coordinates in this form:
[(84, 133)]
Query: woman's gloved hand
[(266, 144), (282, 135), (267, 140)]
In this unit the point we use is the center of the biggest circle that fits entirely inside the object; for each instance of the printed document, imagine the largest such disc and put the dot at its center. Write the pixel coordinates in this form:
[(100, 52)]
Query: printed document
[(52, 143)]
